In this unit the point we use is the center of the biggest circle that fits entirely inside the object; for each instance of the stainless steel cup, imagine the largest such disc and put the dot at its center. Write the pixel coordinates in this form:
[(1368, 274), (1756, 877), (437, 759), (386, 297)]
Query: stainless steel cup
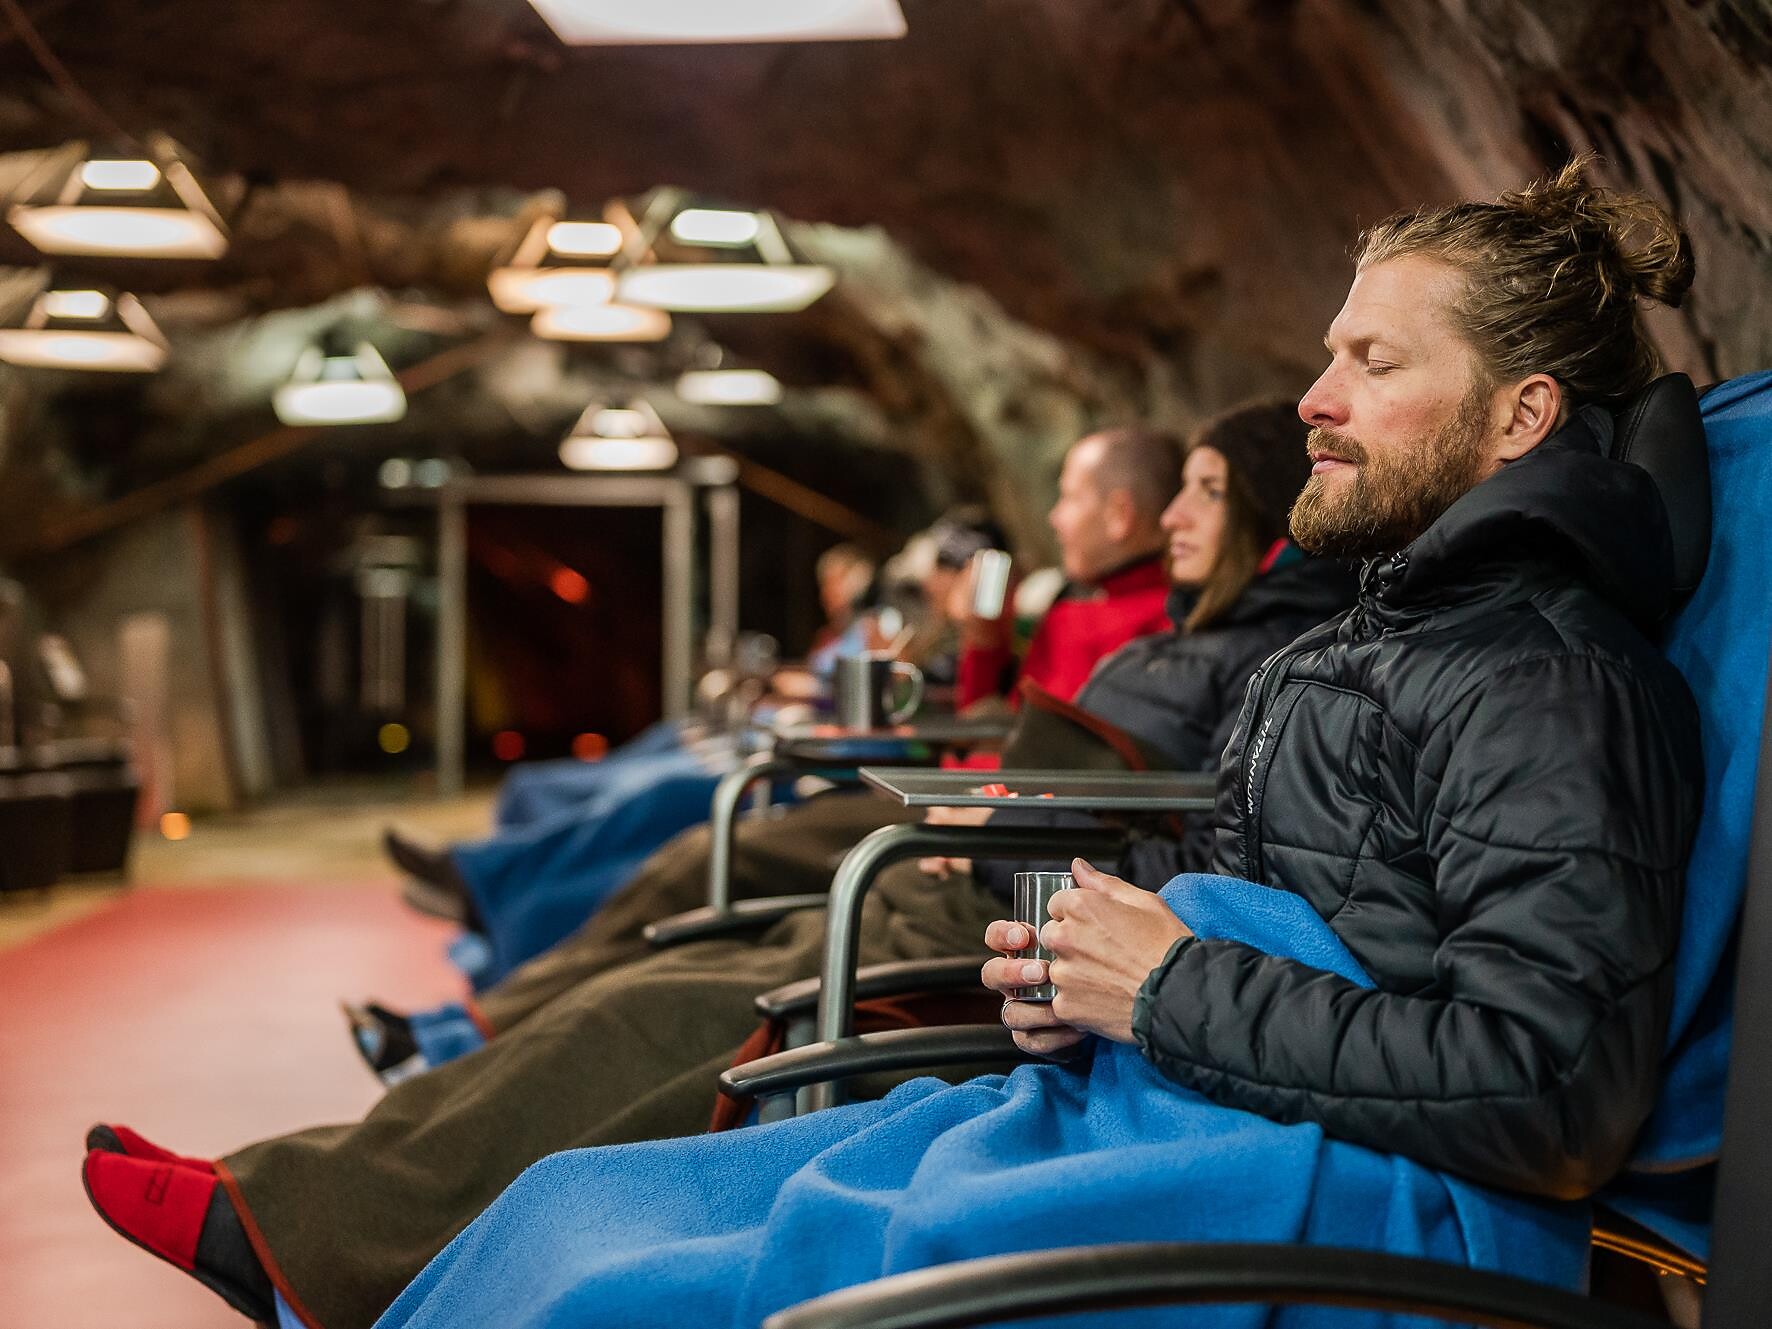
[(990, 583), (863, 688), (1033, 891)]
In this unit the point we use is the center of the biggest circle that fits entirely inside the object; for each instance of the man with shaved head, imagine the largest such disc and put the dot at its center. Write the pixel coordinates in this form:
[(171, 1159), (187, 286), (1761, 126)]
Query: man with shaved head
[(1111, 496)]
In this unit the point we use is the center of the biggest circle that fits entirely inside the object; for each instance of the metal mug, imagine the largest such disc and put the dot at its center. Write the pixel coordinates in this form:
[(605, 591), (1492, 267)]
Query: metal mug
[(863, 686), (990, 583), (1033, 892)]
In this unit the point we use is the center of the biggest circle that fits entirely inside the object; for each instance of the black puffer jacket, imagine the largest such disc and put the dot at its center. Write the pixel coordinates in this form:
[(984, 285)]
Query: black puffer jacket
[(1487, 780), (1179, 691), (1178, 694)]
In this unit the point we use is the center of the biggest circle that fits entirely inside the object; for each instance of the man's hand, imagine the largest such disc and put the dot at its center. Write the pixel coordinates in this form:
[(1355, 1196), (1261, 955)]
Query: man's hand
[(1105, 937), (942, 868), (1036, 1028)]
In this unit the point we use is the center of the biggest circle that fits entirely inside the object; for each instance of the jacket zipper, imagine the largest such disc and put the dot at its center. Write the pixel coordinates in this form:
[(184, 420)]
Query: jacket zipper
[(1260, 752)]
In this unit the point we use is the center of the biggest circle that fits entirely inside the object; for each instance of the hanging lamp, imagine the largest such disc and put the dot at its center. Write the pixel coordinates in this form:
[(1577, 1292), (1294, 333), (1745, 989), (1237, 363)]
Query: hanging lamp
[(340, 389), (84, 328), (696, 259), (557, 263), (628, 437), (125, 207)]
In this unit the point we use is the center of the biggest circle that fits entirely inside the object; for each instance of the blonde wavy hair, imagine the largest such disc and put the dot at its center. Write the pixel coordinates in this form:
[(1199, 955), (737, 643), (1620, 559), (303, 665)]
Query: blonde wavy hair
[(1554, 278)]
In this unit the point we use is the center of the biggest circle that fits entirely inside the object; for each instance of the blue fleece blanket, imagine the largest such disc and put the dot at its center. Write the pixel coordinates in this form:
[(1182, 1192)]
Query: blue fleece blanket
[(536, 790), (536, 884), (724, 1229)]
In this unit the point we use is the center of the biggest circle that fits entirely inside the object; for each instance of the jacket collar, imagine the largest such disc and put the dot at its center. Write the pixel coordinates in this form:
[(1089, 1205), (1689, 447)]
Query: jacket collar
[(1563, 510), (1148, 572)]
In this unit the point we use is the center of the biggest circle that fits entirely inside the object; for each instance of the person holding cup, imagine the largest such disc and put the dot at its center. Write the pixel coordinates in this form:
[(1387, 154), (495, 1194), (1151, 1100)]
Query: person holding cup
[(1108, 520)]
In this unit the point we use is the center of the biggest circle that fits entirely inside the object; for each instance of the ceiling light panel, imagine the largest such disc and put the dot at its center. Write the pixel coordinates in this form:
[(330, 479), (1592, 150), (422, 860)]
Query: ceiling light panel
[(652, 22)]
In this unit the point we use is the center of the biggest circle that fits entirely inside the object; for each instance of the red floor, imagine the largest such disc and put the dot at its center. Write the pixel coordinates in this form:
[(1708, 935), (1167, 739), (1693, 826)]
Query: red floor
[(205, 1019)]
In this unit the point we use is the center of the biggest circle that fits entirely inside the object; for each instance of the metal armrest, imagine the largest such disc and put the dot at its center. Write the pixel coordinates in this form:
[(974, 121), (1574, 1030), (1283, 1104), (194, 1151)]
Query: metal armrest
[(729, 794), (958, 841), (950, 974), (863, 1054), (736, 785), (893, 844), (745, 916), (1091, 1278)]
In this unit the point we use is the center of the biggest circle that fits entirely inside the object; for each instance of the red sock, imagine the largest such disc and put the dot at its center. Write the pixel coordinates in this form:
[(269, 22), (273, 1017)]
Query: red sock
[(158, 1206), (121, 1140)]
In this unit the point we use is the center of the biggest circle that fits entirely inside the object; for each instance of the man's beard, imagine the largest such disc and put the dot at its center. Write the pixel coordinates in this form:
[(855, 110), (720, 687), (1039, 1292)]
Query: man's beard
[(1394, 499)]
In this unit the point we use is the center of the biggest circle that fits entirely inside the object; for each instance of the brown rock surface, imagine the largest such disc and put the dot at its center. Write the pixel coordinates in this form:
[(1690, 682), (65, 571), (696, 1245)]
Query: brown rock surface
[(1126, 207)]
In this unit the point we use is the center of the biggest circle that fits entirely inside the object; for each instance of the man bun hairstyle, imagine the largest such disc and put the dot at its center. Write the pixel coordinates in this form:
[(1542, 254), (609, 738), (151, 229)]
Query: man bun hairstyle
[(1554, 278)]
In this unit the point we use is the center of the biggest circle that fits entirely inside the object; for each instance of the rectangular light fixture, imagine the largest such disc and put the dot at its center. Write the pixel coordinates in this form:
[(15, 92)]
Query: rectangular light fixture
[(716, 226), (661, 22), (618, 454), (516, 290), (128, 207), (729, 387), (356, 389), (732, 288), (581, 239), (574, 322), (85, 329), (76, 304), (133, 232), (120, 174)]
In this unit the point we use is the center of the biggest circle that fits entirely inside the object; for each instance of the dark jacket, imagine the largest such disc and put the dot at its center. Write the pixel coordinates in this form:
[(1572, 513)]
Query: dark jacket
[(1178, 693), (1487, 780)]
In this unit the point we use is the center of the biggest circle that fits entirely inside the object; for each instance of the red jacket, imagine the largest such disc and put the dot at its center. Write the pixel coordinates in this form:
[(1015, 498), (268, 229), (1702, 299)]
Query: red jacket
[(1084, 624)]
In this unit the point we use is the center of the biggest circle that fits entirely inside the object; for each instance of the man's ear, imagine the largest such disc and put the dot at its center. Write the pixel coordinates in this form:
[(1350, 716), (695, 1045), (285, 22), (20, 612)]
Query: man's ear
[(1120, 516), (1535, 409)]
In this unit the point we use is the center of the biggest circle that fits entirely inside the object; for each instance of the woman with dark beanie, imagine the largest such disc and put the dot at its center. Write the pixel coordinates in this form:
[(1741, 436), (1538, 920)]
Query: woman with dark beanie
[(339, 1219)]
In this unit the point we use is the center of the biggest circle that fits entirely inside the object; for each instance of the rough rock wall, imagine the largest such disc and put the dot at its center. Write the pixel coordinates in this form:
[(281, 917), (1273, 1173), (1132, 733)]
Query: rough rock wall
[(1162, 191)]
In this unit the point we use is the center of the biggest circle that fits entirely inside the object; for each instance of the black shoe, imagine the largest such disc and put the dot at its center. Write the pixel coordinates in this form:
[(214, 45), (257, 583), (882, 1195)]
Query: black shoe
[(436, 900), (427, 862), (384, 1040)]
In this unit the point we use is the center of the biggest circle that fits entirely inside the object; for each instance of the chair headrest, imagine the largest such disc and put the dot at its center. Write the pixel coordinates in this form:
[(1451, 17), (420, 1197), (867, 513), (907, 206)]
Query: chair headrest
[(1660, 429)]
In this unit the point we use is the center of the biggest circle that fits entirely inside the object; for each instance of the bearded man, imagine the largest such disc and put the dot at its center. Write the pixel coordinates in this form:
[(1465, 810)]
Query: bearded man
[(1484, 776)]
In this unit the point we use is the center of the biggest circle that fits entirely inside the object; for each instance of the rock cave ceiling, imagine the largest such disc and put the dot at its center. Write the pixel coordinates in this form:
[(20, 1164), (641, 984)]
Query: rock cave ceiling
[(1046, 213)]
